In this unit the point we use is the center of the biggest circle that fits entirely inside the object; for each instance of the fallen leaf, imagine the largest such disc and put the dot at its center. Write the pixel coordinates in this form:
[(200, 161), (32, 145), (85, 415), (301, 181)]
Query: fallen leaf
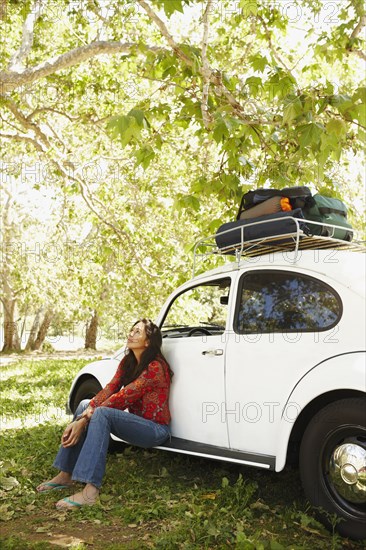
[(8, 483)]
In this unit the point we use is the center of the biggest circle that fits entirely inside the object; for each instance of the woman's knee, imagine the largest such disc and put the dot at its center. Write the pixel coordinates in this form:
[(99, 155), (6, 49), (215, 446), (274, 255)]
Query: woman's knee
[(101, 413), (82, 406)]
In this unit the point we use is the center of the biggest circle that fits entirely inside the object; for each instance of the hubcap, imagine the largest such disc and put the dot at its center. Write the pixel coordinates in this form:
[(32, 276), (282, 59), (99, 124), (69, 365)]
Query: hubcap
[(347, 471)]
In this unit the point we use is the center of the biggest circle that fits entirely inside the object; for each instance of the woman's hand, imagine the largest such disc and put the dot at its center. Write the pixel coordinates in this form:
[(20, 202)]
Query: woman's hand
[(72, 433)]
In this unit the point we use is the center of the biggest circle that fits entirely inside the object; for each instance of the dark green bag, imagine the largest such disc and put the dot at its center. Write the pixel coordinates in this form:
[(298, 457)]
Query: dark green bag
[(327, 210)]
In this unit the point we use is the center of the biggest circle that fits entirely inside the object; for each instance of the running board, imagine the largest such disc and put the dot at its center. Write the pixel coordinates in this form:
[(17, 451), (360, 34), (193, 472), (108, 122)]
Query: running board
[(184, 446)]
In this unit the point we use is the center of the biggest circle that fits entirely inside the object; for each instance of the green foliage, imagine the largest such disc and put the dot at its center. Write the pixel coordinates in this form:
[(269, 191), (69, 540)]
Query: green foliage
[(135, 170)]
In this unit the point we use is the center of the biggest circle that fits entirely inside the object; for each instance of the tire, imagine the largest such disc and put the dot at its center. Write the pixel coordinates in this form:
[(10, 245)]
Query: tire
[(87, 389), (333, 465)]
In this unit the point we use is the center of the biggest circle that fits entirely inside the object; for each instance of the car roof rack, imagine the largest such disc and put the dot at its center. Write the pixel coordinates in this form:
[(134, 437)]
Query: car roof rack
[(296, 241)]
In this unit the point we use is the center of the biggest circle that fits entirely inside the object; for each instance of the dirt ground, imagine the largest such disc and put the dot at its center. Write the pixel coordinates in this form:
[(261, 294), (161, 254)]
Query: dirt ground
[(66, 534)]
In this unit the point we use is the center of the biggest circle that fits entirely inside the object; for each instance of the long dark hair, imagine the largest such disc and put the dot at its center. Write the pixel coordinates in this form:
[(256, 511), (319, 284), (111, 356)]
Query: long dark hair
[(153, 351)]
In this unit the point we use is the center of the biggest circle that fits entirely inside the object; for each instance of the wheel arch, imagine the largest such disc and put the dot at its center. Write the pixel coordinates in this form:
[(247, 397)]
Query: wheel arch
[(335, 378), (311, 409), (81, 380)]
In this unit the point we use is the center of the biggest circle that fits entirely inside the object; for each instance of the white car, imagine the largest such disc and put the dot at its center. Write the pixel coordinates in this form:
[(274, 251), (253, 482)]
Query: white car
[(268, 354)]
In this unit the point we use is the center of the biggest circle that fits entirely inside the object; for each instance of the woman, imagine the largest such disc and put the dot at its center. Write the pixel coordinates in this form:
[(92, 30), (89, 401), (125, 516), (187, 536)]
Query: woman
[(145, 376)]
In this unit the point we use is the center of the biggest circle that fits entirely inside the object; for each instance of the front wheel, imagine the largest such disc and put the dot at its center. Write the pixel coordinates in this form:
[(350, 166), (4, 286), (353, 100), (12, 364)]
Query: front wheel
[(87, 389), (333, 465)]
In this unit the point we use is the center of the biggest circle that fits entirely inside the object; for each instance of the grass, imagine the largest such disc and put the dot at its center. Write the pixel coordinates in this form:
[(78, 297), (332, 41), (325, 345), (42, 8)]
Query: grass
[(150, 498)]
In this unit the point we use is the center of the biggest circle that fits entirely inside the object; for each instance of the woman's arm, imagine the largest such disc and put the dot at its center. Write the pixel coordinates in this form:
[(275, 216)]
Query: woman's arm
[(152, 377), (112, 387)]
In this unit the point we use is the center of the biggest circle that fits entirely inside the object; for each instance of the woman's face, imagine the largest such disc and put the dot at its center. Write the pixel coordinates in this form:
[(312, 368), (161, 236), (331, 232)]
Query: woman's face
[(137, 339)]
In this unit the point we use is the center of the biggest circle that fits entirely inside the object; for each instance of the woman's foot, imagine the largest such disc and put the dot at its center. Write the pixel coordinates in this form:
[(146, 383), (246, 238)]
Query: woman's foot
[(87, 497), (62, 480)]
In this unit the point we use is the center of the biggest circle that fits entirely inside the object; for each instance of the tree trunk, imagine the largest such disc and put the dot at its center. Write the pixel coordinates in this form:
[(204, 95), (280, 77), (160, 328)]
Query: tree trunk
[(11, 338), (42, 332), (91, 332), (9, 295), (33, 331)]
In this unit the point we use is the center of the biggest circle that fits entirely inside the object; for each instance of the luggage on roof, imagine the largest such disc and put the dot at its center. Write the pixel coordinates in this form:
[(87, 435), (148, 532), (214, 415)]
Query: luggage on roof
[(297, 198), (232, 234), (327, 210)]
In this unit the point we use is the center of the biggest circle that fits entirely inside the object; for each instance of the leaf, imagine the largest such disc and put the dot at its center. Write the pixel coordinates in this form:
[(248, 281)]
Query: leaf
[(341, 102), (258, 62), (125, 127), (8, 483), (144, 156), (254, 83), (292, 109), (187, 202), (250, 7), (220, 131), (323, 105), (209, 496), (359, 113), (329, 142), (360, 93), (309, 134), (225, 482), (106, 498), (337, 127), (170, 6), (6, 513), (361, 135), (138, 115)]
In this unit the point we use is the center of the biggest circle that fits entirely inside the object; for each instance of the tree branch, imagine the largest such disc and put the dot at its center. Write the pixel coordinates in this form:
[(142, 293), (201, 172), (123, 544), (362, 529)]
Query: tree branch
[(164, 31), (358, 28), (62, 166), (206, 70), (51, 110), (27, 139), (16, 62), (274, 52), (10, 80), (26, 123), (215, 76), (356, 31)]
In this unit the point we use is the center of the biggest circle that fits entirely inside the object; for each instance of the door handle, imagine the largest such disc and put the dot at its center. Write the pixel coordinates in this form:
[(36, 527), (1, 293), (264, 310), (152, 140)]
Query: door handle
[(213, 352)]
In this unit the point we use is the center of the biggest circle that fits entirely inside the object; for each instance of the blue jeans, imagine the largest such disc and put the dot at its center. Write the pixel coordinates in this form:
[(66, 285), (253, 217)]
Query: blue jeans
[(86, 460)]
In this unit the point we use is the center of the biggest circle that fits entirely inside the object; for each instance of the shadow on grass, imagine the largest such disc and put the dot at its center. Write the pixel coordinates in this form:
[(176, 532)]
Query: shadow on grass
[(171, 501)]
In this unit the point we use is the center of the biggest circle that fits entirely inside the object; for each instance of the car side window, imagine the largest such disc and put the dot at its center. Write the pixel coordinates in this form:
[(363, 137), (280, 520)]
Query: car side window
[(199, 310), (283, 301)]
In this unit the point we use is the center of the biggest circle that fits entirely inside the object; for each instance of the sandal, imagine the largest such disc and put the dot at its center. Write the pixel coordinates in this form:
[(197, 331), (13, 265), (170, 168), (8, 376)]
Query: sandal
[(50, 486), (71, 503)]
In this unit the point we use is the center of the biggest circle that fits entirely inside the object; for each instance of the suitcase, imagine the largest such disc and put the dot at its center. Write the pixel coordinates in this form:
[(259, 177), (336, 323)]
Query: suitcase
[(297, 195), (267, 228), (327, 210)]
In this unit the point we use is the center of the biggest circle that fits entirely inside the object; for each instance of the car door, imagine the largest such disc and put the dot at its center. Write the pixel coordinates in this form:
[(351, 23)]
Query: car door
[(194, 341), (285, 322)]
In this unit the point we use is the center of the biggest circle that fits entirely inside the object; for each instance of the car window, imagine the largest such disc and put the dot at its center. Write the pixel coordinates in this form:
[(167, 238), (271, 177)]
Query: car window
[(200, 309), (282, 301)]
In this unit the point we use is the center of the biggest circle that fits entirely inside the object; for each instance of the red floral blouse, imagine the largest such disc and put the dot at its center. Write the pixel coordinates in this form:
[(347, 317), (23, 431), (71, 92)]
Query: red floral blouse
[(146, 396)]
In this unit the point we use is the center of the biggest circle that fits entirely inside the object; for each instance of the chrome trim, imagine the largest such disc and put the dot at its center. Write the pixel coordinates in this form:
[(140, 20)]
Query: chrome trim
[(347, 471)]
